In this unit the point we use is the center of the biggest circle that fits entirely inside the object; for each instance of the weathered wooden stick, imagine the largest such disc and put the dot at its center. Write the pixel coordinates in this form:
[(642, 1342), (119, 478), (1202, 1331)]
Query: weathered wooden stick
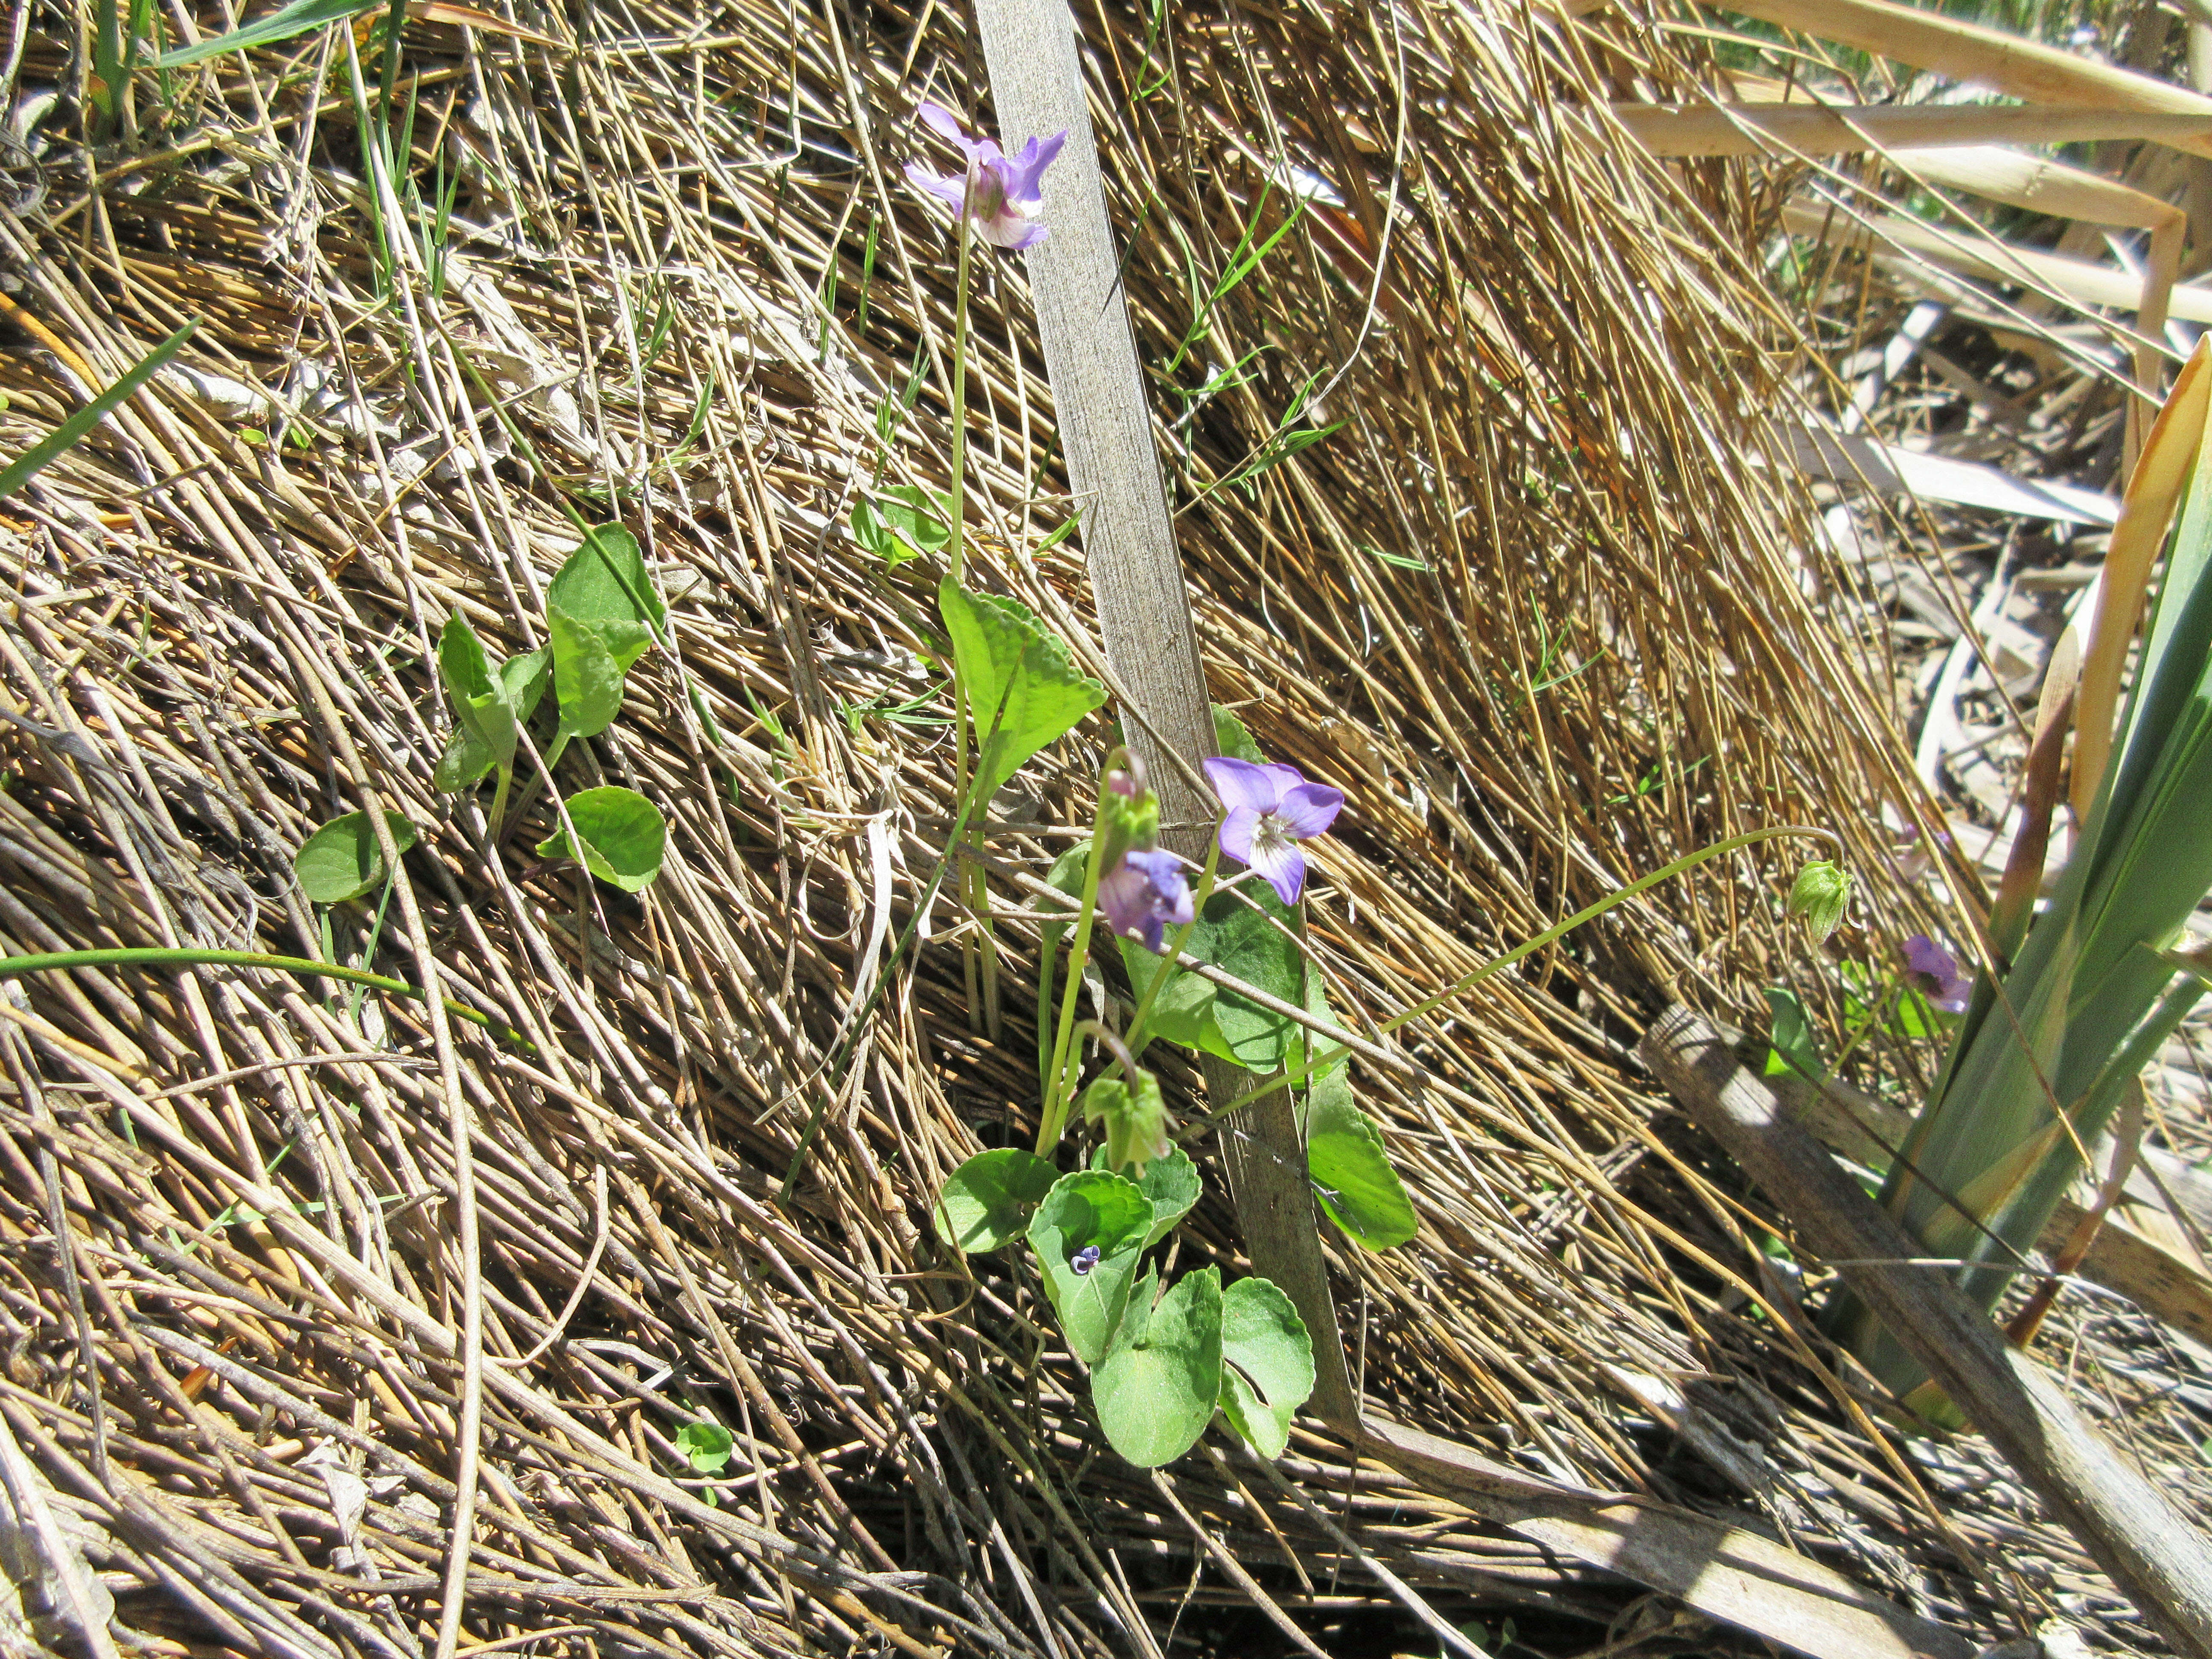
[(2158, 1560), (1144, 609)]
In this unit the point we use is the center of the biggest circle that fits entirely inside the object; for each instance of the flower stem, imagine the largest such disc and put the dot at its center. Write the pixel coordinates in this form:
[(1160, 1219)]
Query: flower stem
[(1297, 1074), (1078, 953), (170, 956), (983, 991)]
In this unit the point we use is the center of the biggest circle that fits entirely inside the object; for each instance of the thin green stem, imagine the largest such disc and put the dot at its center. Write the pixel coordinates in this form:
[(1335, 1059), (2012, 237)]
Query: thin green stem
[(1078, 953), (168, 956), (982, 993), (1298, 1074)]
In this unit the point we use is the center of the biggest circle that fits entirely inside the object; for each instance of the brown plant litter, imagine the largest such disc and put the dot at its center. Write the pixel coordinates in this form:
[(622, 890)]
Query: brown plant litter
[(1548, 602)]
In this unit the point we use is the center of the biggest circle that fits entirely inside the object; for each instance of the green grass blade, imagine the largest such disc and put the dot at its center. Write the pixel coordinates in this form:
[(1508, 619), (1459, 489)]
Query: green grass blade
[(71, 432), (282, 25)]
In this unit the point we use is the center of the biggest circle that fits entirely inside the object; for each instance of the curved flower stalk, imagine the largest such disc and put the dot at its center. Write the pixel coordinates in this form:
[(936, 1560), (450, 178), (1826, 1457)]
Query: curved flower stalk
[(1000, 197)]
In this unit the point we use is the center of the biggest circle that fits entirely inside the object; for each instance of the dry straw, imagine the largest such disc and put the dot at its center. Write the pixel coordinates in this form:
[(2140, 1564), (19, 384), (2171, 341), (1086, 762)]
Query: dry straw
[(1538, 602)]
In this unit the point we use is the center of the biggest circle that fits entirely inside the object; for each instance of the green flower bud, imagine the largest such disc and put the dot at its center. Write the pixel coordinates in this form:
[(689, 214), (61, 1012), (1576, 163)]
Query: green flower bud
[(1136, 1120), (1820, 896)]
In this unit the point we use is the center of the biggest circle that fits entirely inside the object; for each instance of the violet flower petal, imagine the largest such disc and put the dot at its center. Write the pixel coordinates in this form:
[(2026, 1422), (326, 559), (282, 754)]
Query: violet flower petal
[(1237, 831), (946, 188), (1308, 809), (1283, 865), (1243, 786), (943, 123)]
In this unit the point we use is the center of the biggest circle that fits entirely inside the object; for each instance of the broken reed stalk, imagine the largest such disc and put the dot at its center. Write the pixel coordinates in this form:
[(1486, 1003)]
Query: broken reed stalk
[(2159, 1560)]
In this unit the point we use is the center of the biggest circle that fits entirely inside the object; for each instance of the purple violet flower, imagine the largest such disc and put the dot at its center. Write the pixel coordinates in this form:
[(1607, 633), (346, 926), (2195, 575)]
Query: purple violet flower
[(999, 193), (1914, 857), (1084, 1260), (1937, 974), (1143, 894), (1270, 809)]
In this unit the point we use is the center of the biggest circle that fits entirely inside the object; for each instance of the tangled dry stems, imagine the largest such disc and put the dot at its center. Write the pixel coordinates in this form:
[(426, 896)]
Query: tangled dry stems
[(1591, 650)]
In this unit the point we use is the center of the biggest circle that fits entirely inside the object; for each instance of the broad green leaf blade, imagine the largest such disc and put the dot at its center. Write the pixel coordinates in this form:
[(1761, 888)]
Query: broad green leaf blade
[(590, 660), (71, 432), (706, 1446), (1183, 1013), (901, 523), (624, 836), (1351, 1170), (1793, 1050), (988, 1201), (1268, 1368), (340, 860), (524, 678), (1018, 680), (1158, 1386), (482, 709), (282, 25), (1172, 1184), (1245, 933), (465, 760), (1231, 737), (605, 581), (1085, 1209)]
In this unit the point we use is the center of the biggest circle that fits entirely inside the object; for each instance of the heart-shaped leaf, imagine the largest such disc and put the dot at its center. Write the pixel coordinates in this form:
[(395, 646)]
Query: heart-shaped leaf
[(706, 1446), (901, 523), (484, 714), (1022, 692), (340, 860), (1268, 1368), (988, 1200), (624, 836), (590, 658), (1183, 1013), (465, 761), (525, 677), (605, 581), (1350, 1168), (1232, 740), (1172, 1184), (1156, 1388), (1084, 1211)]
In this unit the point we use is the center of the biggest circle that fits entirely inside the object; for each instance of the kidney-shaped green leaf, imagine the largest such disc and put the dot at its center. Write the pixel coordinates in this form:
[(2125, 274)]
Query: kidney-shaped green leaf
[(989, 1200), (1017, 679), (590, 659), (1158, 1386), (605, 581), (1171, 1183), (340, 860), (1268, 1368), (1083, 1210), (624, 836)]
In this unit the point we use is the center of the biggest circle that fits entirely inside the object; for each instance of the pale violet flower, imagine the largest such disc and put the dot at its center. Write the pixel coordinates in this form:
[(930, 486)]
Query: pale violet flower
[(1142, 893), (1270, 809), (999, 193), (1937, 974)]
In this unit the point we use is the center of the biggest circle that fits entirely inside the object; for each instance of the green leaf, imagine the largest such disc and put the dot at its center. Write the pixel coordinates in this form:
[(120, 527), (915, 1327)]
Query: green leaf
[(465, 760), (706, 1446), (340, 860), (483, 712), (1135, 1115), (71, 432), (590, 659), (1066, 877), (988, 1200), (1172, 1184), (605, 581), (1183, 1013), (1244, 933), (1231, 737), (1350, 1168), (903, 523), (624, 836), (524, 678), (1794, 1050), (1268, 1369), (282, 25), (1084, 1209), (1017, 679), (1158, 1386)]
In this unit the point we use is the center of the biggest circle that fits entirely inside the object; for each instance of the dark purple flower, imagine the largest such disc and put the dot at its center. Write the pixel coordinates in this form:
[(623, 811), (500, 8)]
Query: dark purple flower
[(1084, 1260), (1270, 809), (1937, 974), (1145, 892), (999, 193)]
